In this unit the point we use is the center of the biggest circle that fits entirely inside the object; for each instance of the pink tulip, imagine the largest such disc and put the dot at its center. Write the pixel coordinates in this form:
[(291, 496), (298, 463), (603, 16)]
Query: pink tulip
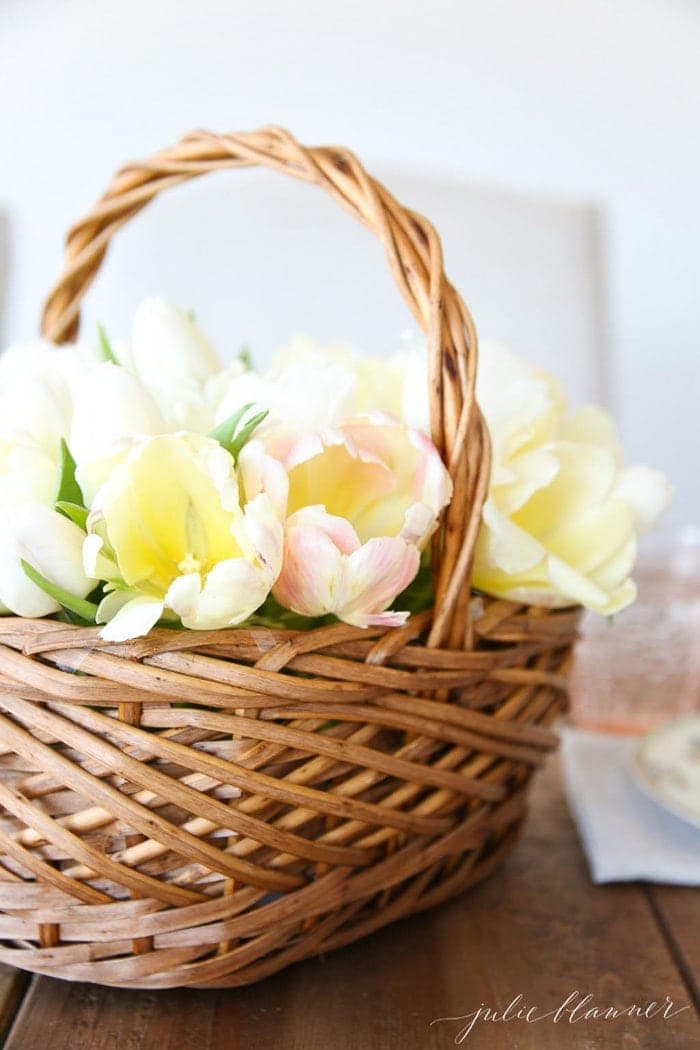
[(364, 499)]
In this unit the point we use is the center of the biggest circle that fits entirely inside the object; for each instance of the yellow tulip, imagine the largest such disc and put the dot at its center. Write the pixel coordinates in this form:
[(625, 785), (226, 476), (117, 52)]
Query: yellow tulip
[(179, 531), (562, 517)]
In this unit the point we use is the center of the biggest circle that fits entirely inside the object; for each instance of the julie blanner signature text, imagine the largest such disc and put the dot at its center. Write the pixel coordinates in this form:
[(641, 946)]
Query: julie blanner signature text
[(578, 1007)]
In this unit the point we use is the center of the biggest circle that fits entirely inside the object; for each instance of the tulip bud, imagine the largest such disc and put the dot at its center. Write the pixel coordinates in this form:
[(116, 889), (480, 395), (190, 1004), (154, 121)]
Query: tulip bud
[(167, 344), (50, 543)]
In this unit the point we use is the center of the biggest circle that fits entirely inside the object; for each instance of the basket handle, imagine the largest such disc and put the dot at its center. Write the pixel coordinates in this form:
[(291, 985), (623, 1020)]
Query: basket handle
[(414, 254)]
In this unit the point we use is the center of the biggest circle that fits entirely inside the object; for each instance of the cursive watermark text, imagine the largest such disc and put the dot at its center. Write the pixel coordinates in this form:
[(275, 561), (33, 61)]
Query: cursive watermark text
[(577, 1007)]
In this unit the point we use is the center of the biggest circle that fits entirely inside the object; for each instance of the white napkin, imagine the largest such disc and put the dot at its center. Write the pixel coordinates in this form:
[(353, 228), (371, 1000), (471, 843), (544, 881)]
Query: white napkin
[(626, 835)]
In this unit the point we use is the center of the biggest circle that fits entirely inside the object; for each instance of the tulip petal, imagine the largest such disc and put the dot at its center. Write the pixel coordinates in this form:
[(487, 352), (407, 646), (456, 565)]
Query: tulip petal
[(265, 533), (523, 408), (614, 572), (96, 563), (585, 477), (166, 342), (581, 590), (183, 594), (592, 537), (374, 576), (18, 594), (504, 545), (35, 397), (28, 474), (262, 473), (110, 605), (91, 476), (571, 584), (53, 545), (232, 591), (312, 571), (409, 371), (324, 382), (646, 492), (524, 476), (431, 482), (244, 388), (625, 595), (327, 469), (133, 620), (111, 406), (176, 363), (419, 524), (338, 529), (592, 425)]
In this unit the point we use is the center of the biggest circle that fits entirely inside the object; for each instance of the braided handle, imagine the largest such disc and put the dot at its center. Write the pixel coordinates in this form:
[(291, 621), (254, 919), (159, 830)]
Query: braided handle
[(414, 254)]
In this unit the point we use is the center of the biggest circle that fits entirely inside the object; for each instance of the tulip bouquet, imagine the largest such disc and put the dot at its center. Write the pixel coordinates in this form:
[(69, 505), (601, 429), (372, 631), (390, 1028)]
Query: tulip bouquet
[(144, 483)]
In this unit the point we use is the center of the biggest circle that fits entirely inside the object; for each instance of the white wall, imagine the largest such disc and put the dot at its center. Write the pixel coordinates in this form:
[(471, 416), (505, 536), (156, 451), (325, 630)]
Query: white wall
[(585, 98), (260, 259)]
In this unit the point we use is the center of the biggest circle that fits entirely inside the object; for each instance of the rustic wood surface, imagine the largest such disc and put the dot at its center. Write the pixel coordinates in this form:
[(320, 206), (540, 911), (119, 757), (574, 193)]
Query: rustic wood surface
[(537, 927)]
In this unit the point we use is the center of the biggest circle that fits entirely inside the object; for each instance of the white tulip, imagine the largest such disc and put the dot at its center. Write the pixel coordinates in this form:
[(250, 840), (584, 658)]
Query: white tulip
[(174, 360), (32, 530), (112, 409), (52, 545), (306, 388), (37, 381), (28, 474), (35, 397), (166, 341), (408, 370)]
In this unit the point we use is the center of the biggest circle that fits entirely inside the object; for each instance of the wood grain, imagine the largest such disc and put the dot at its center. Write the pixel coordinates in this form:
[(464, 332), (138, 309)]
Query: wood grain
[(678, 911), (537, 926), (13, 984)]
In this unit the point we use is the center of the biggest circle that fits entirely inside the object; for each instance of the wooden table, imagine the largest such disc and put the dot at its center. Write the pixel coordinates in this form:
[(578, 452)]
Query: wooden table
[(538, 927)]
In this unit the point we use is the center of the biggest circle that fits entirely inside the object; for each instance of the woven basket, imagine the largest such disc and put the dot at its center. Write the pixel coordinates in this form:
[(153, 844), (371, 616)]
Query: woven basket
[(204, 808)]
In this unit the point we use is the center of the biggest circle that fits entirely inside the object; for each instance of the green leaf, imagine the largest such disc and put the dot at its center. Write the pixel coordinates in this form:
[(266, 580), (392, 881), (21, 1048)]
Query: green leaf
[(76, 513), (228, 435), (245, 357), (419, 593), (225, 431), (244, 434), (105, 346), (68, 487), (272, 614), (72, 603)]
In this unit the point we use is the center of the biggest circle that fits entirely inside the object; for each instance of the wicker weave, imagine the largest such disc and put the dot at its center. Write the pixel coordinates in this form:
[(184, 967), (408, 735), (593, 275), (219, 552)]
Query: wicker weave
[(204, 808)]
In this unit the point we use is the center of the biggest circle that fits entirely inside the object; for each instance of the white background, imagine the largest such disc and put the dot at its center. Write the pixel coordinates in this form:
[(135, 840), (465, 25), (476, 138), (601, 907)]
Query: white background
[(592, 103)]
